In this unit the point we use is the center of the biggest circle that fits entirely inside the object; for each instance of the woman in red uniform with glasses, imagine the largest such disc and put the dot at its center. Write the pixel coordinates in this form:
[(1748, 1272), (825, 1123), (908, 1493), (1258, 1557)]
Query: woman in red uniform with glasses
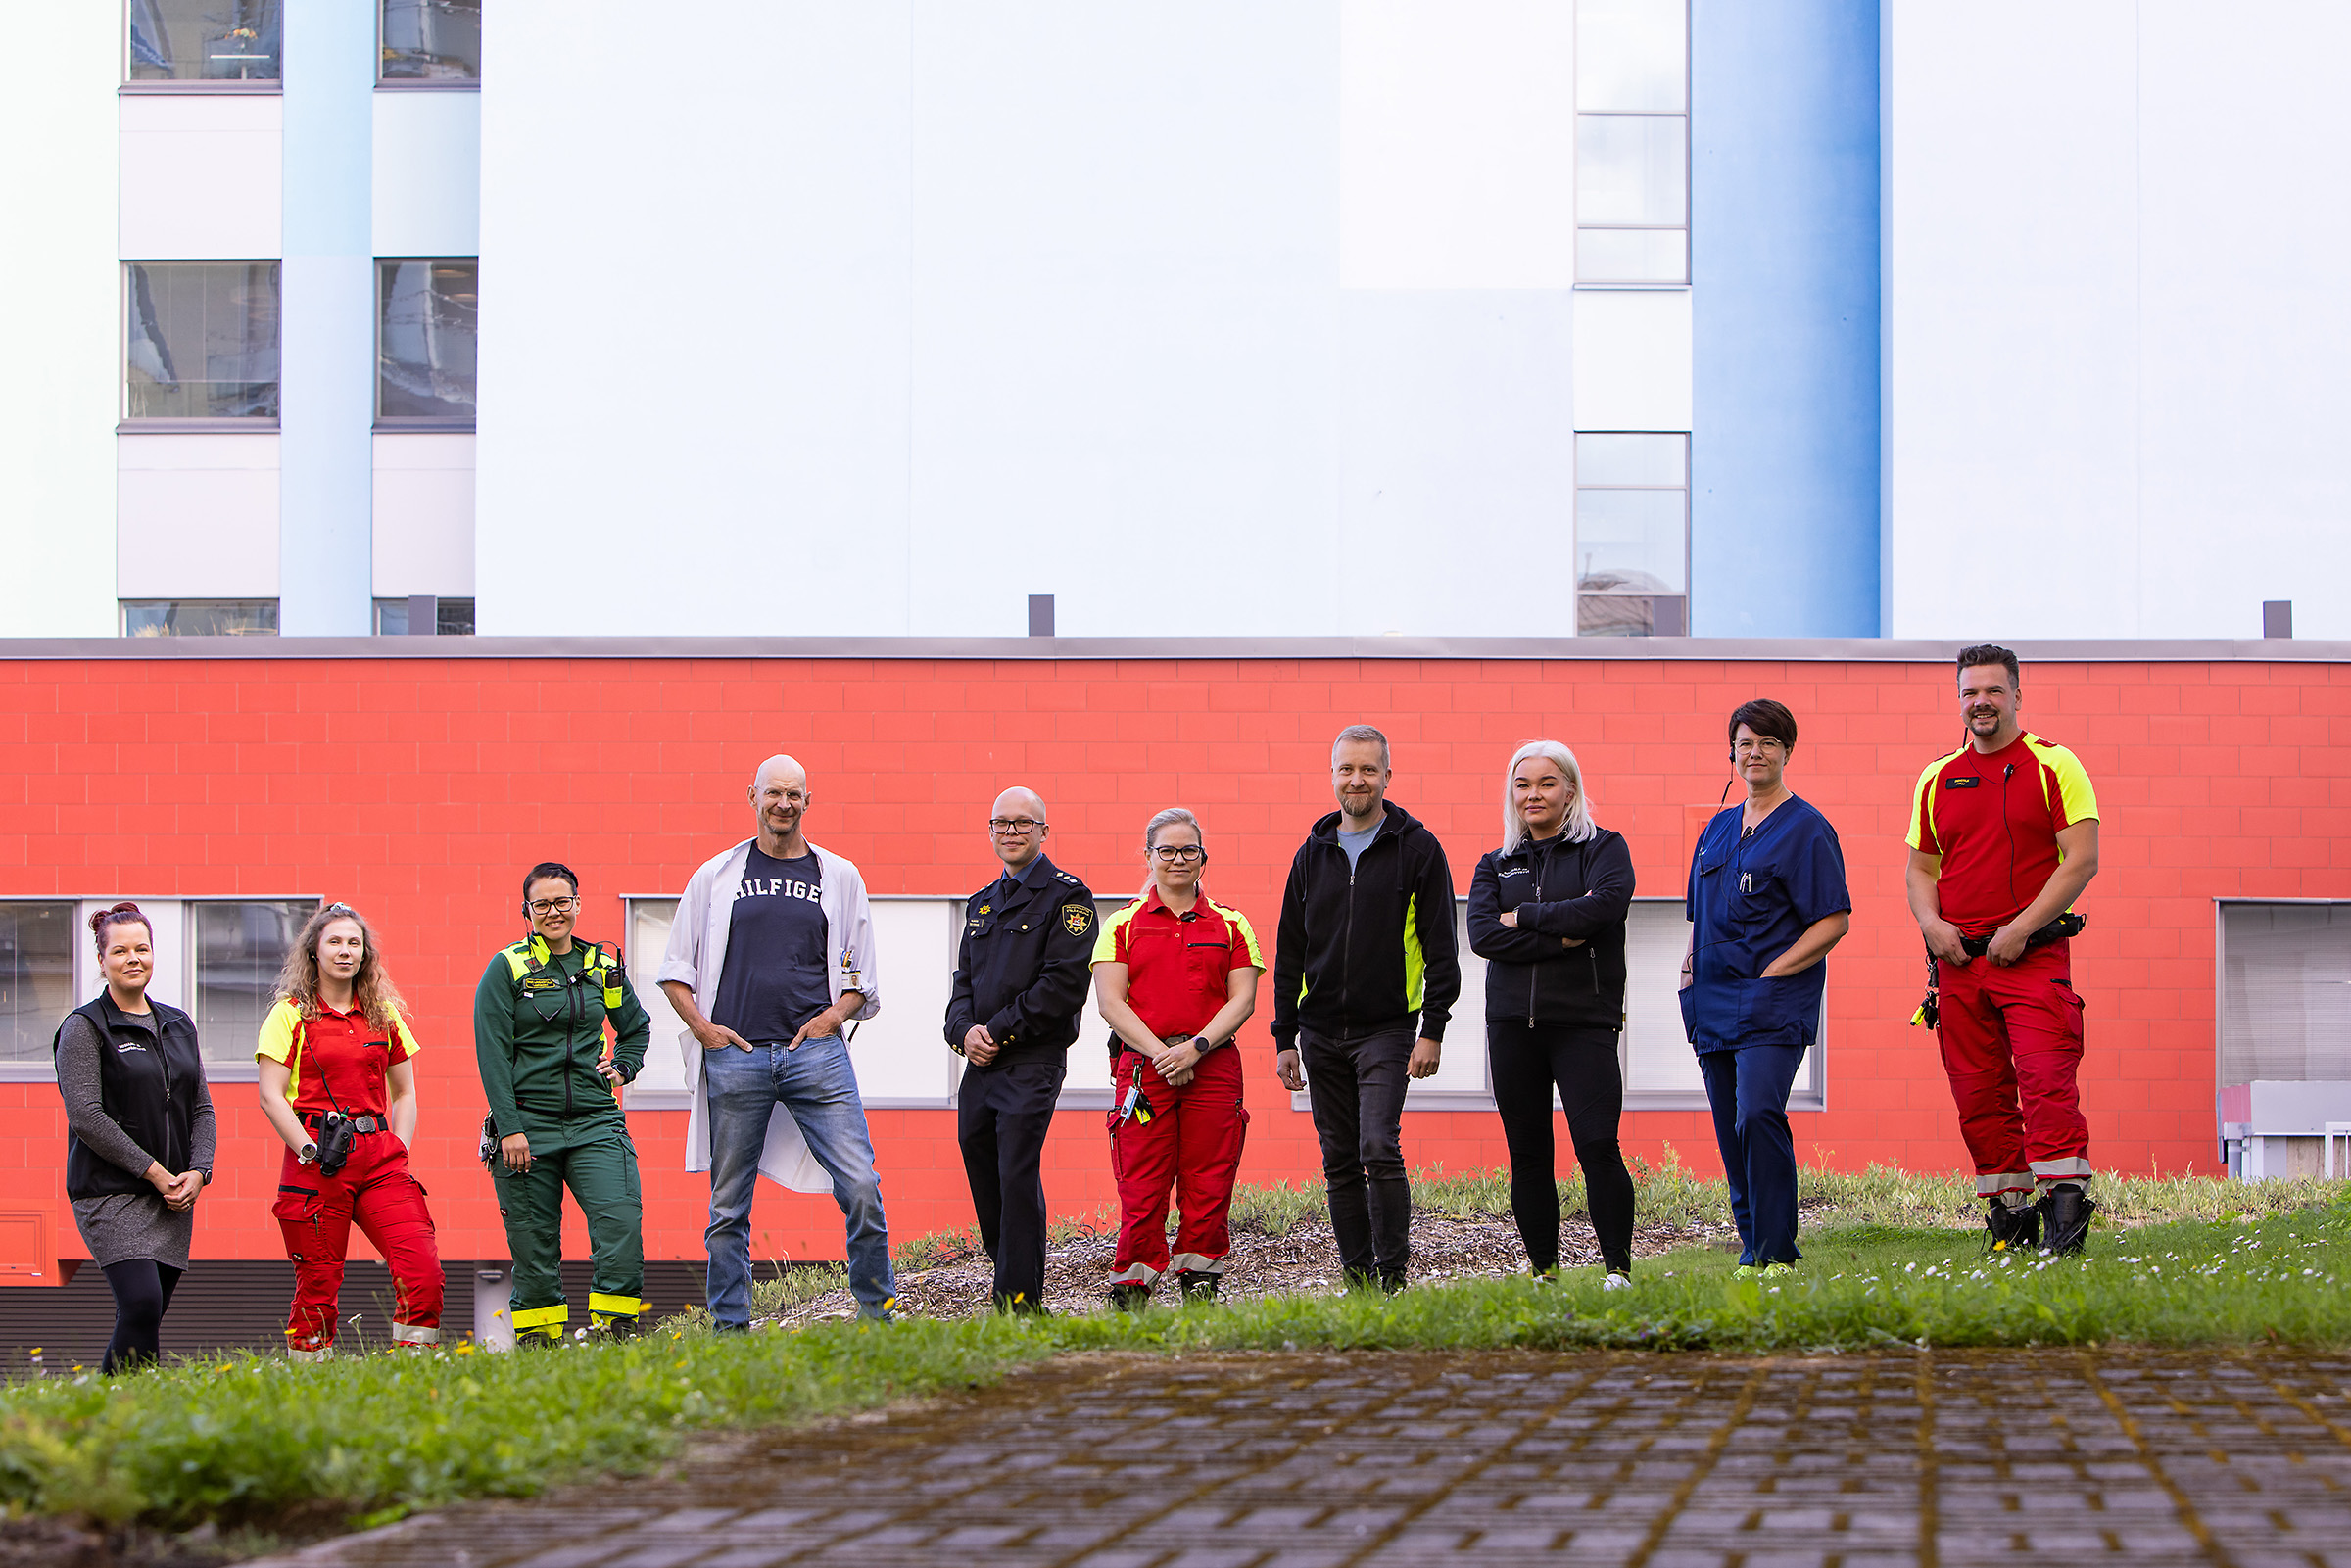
[(1174, 978), (339, 1086)]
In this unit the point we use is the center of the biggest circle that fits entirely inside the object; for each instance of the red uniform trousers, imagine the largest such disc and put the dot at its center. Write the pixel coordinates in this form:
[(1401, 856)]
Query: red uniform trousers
[(2012, 1035), (1193, 1140), (315, 1212)]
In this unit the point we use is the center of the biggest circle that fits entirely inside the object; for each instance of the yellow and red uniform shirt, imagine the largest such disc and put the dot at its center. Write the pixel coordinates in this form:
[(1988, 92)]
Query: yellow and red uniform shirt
[(341, 1052), (1995, 819), (1177, 964)]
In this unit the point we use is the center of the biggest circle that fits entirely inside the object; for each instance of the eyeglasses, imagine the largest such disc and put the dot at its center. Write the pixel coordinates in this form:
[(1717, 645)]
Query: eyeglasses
[(552, 906), (1013, 826), (1767, 743), (1174, 854)]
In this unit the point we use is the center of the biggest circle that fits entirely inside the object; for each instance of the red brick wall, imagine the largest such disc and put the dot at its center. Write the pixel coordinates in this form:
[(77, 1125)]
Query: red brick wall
[(417, 789)]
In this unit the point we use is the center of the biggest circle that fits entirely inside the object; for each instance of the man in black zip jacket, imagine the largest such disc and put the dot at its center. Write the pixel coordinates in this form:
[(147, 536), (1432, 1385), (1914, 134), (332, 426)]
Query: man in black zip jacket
[(1365, 944)]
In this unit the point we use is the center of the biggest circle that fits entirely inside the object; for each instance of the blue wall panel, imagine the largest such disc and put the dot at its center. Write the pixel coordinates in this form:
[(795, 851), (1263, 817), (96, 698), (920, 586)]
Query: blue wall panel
[(328, 323), (1785, 458)]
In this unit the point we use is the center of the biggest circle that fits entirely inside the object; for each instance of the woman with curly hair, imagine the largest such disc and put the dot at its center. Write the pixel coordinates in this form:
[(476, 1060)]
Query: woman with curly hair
[(339, 1086)]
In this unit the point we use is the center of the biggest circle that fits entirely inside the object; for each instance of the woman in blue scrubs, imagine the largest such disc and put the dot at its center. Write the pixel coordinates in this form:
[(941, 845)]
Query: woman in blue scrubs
[(1767, 901)]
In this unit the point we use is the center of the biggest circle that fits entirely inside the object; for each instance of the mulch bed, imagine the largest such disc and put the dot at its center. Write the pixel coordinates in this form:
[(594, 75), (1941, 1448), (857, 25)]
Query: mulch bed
[(1305, 1260)]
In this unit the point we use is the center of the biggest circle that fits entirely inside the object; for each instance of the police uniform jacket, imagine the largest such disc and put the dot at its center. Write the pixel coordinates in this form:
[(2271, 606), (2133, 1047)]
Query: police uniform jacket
[(1025, 963)]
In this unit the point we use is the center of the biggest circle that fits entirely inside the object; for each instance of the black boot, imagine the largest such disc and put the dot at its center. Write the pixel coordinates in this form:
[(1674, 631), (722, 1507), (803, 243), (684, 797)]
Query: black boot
[(2065, 1211), (1130, 1298), (2015, 1229), (1198, 1286)]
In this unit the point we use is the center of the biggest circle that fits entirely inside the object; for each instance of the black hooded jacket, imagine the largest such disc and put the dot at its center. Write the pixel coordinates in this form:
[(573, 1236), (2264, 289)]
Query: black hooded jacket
[(1559, 890), (1362, 949)]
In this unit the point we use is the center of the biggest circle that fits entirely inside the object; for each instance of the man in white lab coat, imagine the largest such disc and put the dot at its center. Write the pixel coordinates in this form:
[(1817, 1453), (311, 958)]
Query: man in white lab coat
[(770, 957)]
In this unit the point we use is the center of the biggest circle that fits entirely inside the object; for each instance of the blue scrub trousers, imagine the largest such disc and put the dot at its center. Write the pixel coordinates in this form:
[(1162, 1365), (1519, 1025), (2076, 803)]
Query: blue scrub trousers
[(1747, 1089)]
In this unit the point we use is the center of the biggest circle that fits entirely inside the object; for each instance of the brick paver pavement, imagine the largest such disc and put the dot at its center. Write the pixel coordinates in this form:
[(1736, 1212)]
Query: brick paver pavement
[(1936, 1460)]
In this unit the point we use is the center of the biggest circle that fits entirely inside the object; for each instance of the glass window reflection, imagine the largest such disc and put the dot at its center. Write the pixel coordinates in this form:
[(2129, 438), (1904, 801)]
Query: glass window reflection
[(426, 339), (204, 40), (237, 952), (37, 977), (1631, 56), (437, 41), (200, 340), (1631, 168)]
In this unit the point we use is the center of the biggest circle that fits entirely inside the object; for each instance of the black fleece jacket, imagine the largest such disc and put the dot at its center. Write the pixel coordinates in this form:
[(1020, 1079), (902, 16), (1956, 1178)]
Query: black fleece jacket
[(1363, 949), (1559, 890)]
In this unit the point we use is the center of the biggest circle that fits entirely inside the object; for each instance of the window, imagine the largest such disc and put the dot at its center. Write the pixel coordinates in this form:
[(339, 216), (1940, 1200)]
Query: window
[(203, 40), (1632, 535), (1632, 141), (424, 345), (200, 340), (235, 954), (2286, 993), (435, 43), (199, 617), (451, 617), (37, 977), (662, 1083)]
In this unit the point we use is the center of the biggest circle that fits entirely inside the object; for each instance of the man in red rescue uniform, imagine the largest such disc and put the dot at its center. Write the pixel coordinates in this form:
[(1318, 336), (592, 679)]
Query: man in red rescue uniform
[(2003, 837)]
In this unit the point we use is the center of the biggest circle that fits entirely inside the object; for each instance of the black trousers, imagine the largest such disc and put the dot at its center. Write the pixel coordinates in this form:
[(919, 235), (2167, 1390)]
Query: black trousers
[(142, 1289), (1528, 1062), (1001, 1117), (1357, 1097)]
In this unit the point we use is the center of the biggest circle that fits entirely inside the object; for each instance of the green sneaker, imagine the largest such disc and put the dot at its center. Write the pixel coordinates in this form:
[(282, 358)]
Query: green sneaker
[(1746, 1272), (1775, 1270)]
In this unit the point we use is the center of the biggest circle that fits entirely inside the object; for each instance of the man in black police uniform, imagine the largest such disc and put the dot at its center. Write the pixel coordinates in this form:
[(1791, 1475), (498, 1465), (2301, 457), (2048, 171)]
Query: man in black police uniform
[(1022, 972)]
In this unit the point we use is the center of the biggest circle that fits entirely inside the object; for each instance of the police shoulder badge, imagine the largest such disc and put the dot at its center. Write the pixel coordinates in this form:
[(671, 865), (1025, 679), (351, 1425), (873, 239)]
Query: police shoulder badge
[(1077, 919)]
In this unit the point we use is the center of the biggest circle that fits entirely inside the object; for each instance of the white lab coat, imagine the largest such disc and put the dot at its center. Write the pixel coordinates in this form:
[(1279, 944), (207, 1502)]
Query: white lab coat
[(697, 957)]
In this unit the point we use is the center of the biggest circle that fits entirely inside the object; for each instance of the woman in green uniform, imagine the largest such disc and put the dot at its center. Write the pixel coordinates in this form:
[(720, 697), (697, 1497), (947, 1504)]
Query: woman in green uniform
[(552, 1079)]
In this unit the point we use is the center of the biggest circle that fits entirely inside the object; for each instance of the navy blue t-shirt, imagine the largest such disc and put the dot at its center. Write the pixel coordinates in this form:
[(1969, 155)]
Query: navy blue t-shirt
[(1750, 896), (774, 980)]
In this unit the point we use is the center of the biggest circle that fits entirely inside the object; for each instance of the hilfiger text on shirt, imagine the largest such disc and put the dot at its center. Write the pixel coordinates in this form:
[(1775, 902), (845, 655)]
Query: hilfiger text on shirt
[(779, 887)]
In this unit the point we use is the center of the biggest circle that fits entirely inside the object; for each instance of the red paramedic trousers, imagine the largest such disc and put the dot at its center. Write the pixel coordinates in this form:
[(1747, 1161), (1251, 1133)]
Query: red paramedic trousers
[(1193, 1140), (315, 1213), (2012, 1047)]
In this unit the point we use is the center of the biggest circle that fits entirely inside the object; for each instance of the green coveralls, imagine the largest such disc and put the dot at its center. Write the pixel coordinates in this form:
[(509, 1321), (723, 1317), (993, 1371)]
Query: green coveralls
[(538, 1034)]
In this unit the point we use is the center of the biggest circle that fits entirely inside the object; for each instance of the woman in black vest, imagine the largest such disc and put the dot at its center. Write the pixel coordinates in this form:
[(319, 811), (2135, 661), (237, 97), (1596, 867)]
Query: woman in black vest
[(138, 1133)]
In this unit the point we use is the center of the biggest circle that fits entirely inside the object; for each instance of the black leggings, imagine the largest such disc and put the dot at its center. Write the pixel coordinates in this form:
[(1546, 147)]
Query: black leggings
[(1526, 1063), (142, 1295)]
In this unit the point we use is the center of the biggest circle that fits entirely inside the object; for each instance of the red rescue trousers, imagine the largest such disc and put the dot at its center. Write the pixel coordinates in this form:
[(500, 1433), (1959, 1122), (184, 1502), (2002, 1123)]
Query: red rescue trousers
[(2012, 1045), (1192, 1140), (315, 1212)]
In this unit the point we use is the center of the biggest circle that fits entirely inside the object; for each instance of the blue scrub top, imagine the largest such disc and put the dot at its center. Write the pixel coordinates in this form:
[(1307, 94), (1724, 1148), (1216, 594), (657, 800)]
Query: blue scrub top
[(1750, 896)]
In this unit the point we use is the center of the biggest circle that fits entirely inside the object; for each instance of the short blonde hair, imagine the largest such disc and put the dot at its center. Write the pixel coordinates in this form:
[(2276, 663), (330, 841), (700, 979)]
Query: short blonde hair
[(1579, 826)]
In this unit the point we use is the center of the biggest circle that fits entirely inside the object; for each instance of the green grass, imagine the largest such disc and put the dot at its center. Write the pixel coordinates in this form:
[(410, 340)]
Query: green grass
[(247, 1440)]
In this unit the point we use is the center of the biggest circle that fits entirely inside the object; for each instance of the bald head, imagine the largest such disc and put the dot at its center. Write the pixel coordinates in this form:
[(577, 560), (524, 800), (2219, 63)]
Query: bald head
[(779, 802), (1018, 846), (779, 766)]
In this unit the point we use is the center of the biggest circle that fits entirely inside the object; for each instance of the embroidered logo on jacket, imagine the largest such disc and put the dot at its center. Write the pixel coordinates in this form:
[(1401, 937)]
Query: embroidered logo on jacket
[(1077, 919)]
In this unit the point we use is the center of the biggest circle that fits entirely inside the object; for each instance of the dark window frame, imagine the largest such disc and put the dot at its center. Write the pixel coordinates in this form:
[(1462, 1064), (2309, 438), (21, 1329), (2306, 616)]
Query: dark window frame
[(384, 273)]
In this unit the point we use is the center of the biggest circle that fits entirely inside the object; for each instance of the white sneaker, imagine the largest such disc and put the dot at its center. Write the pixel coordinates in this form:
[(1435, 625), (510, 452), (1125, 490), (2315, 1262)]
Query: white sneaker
[(1617, 1282)]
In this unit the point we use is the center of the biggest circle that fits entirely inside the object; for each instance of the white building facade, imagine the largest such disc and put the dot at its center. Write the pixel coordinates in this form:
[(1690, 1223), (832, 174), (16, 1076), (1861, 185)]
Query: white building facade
[(1735, 317)]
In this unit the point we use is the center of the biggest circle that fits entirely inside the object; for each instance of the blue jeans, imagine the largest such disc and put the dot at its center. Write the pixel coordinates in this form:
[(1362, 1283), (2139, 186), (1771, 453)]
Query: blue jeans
[(818, 1086), (1747, 1089)]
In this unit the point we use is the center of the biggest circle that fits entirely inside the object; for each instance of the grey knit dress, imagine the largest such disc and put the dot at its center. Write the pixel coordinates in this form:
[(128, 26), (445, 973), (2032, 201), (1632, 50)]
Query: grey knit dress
[(122, 1225)]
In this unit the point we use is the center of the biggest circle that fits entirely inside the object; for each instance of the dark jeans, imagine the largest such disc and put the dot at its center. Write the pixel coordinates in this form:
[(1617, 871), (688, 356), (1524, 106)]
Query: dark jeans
[(1528, 1062), (142, 1289), (1002, 1114), (1357, 1092), (1749, 1092)]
